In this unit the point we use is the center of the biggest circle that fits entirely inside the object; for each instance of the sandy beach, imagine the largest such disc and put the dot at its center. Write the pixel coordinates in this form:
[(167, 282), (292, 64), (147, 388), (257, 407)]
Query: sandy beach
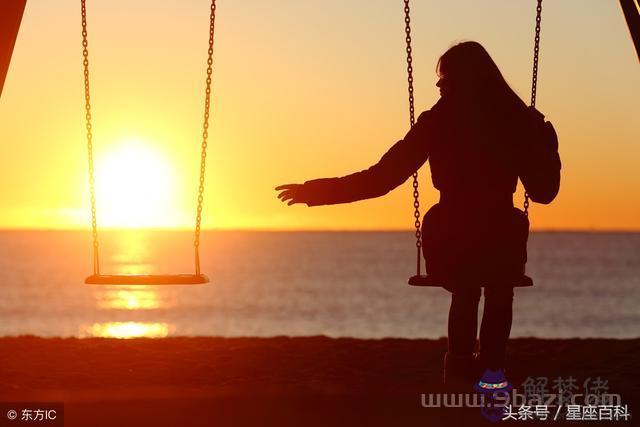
[(277, 381)]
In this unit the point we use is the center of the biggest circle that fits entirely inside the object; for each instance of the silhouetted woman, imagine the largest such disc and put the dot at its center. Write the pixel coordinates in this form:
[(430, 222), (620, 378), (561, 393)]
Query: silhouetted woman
[(479, 138)]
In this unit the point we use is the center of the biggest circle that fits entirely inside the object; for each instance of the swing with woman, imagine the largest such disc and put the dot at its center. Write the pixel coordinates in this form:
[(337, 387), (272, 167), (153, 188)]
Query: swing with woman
[(479, 139)]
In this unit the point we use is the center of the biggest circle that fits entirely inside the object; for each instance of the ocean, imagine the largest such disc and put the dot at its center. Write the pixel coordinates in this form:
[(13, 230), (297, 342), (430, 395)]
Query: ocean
[(339, 284)]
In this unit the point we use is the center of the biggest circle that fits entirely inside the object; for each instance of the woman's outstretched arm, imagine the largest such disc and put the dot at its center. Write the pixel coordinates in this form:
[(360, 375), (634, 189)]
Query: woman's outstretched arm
[(399, 163)]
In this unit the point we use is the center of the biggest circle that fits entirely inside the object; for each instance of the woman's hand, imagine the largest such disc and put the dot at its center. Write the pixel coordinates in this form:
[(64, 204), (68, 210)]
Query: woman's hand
[(292, 193)]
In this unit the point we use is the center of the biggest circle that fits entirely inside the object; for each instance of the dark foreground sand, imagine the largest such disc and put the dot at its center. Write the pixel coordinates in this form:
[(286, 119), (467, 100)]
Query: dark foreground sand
[(314, 381)]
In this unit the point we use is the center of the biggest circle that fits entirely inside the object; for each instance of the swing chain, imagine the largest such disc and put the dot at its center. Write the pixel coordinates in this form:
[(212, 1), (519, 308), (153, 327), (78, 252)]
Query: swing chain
[(534, 79), (416, 193), (205, 136), (87, 107), (536, 54)]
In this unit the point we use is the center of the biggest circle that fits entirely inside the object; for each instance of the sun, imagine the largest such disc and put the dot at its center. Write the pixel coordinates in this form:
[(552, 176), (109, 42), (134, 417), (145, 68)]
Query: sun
[(135, 187)]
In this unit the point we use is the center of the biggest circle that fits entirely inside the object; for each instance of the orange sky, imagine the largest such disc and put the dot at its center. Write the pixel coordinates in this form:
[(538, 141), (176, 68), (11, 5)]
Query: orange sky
[(301, 90)]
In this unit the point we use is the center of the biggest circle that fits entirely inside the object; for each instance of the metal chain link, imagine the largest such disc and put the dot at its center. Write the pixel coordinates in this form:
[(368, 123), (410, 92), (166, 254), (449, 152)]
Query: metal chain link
[(205, 136), (87, 107), (534, 79), (536, 54), (412, 114)]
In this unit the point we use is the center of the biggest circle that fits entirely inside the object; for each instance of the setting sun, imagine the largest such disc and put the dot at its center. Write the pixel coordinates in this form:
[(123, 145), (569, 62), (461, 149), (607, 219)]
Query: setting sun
[(135, 187)]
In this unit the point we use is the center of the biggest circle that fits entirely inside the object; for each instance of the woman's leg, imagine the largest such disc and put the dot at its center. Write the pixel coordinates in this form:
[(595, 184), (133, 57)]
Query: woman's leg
[(496, 325), (463, 328), (463, 321)]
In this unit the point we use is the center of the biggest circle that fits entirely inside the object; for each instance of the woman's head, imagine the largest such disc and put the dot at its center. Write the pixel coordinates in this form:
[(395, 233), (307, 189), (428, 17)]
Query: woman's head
[(467, 71)]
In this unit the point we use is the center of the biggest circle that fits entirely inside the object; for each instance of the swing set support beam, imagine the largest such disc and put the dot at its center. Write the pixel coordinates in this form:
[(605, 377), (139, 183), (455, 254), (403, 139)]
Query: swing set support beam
[(631, 10), (10, 17)]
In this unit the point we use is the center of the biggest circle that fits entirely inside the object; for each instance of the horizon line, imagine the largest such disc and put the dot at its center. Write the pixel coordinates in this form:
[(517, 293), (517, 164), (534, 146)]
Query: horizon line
[(298, 230)]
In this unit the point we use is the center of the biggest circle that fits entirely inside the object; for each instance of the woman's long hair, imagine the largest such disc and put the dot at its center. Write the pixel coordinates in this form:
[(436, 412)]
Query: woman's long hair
[(474, 77)]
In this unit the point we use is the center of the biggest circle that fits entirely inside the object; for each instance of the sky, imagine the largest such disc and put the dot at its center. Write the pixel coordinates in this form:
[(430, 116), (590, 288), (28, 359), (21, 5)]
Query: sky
[(301, 90)]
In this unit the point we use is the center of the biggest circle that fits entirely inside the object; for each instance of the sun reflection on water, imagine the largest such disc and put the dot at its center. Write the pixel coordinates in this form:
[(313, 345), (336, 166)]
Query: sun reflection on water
[(138, 298), (126, 330), (131, 253)]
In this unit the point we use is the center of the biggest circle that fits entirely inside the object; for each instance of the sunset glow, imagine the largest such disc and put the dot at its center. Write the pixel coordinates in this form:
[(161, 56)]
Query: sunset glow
[(352, 212), (327, 102), (135, 187)]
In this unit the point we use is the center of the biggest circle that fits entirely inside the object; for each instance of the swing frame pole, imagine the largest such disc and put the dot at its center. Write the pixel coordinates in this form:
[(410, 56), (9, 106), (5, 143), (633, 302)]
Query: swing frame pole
[(11, 12), (631, 11)]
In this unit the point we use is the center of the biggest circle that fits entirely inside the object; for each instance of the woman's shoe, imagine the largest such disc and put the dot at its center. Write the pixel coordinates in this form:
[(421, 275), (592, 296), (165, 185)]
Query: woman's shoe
[(493, 380)]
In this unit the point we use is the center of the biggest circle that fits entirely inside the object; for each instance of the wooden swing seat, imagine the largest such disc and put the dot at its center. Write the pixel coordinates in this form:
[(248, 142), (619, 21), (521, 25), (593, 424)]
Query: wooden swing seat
[(430, 280), (146, 279)]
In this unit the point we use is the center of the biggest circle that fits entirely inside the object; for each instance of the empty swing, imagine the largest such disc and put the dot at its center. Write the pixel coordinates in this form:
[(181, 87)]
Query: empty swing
[(419, 279), (146, 279)]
